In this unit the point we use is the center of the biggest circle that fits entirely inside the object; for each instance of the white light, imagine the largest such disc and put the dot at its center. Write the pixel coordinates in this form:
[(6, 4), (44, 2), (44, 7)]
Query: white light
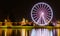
[(42, 13), (40, 32)]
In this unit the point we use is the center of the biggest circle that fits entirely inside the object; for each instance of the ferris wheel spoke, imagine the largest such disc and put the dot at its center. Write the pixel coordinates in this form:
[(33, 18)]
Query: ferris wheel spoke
[(47, 19), (37, 7), (34, 10), (47, 8), (34, 13), (39, 20), (40, 5), (36, 19), (49, 15), (49, 11), (44, 19), (43, 6)]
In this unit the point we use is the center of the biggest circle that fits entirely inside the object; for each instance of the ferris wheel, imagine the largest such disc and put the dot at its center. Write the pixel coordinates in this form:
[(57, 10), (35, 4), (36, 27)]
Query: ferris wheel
[(41, 13)]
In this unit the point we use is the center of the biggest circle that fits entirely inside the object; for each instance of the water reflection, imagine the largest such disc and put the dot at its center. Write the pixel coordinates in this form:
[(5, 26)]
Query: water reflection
[(42, 32)]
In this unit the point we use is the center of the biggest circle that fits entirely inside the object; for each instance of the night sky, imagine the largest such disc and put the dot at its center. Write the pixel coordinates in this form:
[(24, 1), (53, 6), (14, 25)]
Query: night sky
[(18, 9)]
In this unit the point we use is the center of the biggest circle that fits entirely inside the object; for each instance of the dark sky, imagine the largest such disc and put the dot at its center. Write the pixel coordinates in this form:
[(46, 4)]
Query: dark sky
[(17, 9)]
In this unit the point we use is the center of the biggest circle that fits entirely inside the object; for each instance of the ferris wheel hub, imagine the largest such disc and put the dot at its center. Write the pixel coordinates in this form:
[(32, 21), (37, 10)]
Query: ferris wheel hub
[(42, 13)]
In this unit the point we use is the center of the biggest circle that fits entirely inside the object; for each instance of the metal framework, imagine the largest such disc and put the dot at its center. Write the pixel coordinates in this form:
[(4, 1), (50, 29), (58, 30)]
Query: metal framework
[(41, 13)]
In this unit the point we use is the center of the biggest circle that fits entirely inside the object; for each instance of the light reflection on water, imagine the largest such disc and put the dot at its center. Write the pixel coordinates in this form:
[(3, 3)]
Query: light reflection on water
[(34, 32), (42, 32)]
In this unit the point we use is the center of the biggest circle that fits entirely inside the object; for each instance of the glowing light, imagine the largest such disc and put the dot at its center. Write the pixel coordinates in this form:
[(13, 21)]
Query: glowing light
[(23, 21), (58, 30), (5, 32), (8, 22), (41, 32), (42, 13), (5, 20), (23, 32), (26, 21)]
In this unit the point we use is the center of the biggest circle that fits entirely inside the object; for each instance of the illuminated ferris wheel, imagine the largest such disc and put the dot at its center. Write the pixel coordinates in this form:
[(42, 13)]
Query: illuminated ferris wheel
[(41, 13)]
